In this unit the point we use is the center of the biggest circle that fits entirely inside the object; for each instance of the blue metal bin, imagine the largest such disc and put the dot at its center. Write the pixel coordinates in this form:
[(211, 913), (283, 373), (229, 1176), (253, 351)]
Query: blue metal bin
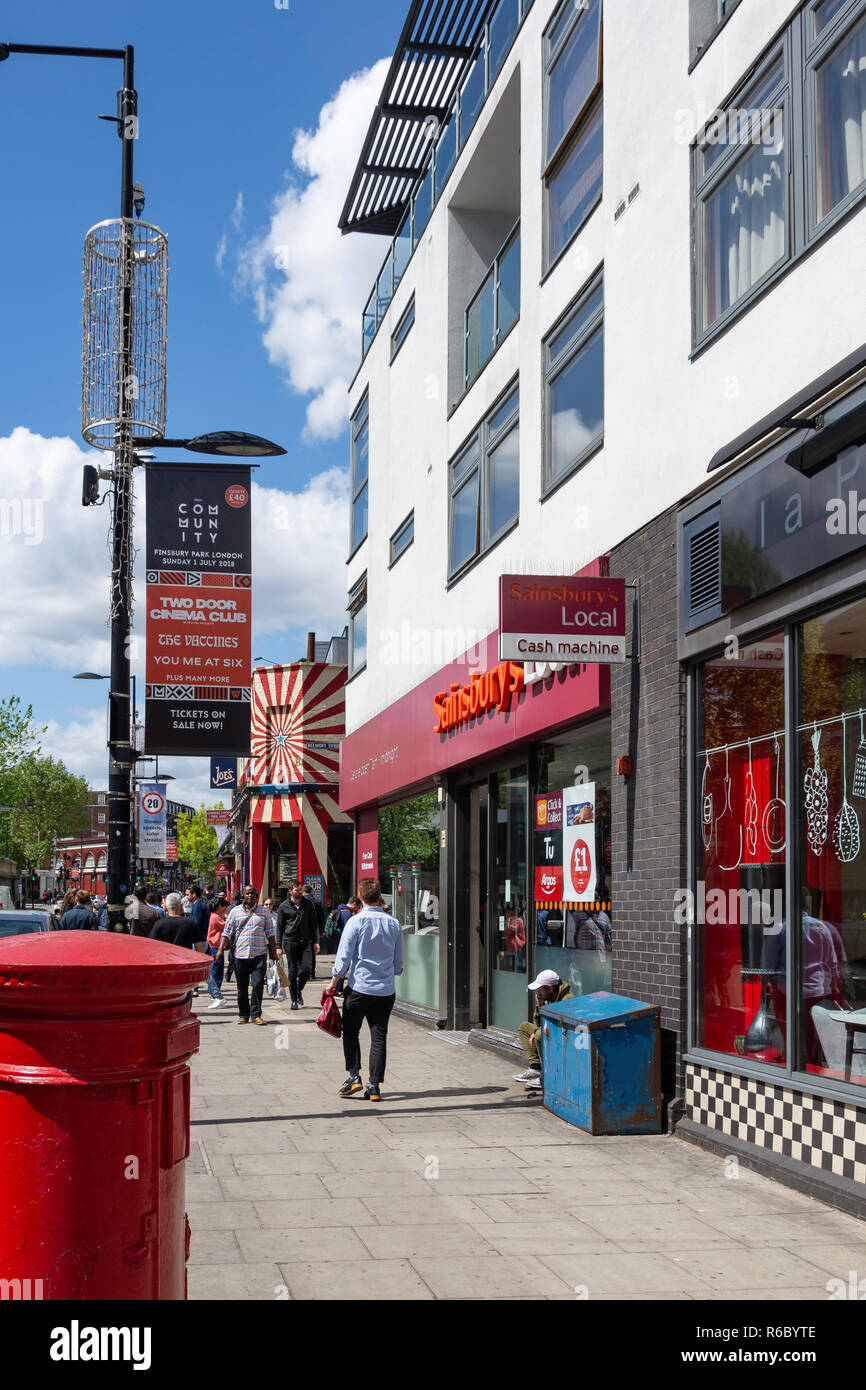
[(601, 1056)]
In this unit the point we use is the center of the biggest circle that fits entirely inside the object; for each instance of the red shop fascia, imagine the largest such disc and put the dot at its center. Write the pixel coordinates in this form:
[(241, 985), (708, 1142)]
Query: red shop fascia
[(474, 711)]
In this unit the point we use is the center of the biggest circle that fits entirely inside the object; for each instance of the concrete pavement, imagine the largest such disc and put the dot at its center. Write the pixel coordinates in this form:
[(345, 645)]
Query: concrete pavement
[(457, 1186)]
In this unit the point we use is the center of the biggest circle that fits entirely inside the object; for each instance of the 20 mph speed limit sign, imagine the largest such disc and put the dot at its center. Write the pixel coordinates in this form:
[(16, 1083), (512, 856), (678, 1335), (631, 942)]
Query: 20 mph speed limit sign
[(151, 822)]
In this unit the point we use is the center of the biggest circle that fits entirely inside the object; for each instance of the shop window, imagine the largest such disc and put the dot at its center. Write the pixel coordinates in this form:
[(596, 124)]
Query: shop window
[(485, 486), (574, 387), (737, 902), (358, 627), (409, 873), (510, 903), (573, 137), (573, 932), (831, 986), (360, 473)]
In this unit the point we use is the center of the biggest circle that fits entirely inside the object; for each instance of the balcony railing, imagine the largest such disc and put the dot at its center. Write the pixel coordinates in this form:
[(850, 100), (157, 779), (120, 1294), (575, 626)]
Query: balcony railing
[(494, 309), (499, 34)]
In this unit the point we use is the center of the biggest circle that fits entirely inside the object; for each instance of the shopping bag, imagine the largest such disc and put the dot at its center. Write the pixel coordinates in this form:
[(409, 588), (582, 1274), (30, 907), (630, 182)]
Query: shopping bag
[(282, 972), (330, 1020)]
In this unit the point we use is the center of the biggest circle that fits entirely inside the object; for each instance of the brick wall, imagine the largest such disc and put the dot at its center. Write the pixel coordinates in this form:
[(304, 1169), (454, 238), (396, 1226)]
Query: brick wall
[(648, 722)]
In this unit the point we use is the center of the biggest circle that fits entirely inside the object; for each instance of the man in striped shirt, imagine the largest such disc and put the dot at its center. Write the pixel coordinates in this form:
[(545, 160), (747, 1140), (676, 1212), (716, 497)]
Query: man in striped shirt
[(249, 932)]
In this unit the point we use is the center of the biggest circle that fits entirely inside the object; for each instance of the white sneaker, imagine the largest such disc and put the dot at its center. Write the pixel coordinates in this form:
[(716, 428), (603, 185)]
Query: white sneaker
[(534, 1085), (531, 1074), (217, 1004)]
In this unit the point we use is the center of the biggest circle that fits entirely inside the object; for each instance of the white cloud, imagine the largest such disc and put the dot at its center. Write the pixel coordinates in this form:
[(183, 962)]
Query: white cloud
[(54, 557), (309, 283), (80, 744)]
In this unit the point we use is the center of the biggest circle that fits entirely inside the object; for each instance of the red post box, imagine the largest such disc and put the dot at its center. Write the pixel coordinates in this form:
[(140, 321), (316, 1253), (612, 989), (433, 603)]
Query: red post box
[(95, 1034)]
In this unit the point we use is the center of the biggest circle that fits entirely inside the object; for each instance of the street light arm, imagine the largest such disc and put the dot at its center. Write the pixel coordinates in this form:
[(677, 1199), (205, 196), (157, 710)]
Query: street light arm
[(52, 50)]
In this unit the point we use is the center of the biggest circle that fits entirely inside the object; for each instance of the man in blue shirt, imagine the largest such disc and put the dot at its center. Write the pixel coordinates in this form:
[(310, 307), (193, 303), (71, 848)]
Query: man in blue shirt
[(370, 955)]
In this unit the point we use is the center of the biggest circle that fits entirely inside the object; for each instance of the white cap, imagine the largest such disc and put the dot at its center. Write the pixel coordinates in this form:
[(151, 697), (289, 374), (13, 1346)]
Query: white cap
[(546, 977)]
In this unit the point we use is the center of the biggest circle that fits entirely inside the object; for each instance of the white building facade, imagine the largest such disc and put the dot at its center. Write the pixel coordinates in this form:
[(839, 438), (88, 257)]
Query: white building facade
[(620, 333)]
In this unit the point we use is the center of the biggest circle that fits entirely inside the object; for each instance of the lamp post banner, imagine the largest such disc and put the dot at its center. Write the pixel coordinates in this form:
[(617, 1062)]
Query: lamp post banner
[(199, 610), (152, 819)]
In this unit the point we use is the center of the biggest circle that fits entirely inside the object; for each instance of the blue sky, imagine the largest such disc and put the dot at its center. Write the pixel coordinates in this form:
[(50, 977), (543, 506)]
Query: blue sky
[(223, 90)]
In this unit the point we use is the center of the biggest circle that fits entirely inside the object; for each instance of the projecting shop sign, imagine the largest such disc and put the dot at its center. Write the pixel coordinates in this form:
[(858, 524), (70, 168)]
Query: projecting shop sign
[(574, 621), (199, 601)]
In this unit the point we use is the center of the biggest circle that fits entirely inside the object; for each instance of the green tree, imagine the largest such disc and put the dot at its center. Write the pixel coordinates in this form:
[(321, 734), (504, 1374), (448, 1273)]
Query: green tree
[(409, 833), (197, 844), (47, 803), (19, 738)]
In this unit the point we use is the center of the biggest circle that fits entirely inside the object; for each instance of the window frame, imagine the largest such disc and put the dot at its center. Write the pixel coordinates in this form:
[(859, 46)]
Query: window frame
[(360, 418), (494, 275), (552, 163), (404, 327), (817, 49), (407, 524), (484, 445), (358, 599), (706, 185), (552, 368), (803, 52)]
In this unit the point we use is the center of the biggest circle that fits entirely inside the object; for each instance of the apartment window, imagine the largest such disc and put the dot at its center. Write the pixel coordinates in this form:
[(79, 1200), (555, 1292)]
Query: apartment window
[(836, 87), (573, 139), (494, 310), (574, 387), (100, 818), (485, 486), (782, 163), (401, 332), (360, 472), (358, 627), (402, 538), (100, 799)]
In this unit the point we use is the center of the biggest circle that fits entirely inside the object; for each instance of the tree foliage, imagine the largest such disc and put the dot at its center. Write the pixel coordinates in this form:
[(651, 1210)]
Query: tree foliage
[(197, 844), (47, 803)]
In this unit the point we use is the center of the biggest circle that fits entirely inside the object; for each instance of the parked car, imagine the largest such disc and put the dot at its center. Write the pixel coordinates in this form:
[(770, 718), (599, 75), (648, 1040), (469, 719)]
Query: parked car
[(23, 923)]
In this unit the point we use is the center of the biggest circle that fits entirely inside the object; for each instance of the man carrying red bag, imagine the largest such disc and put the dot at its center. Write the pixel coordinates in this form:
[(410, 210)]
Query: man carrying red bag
[(369, 956)]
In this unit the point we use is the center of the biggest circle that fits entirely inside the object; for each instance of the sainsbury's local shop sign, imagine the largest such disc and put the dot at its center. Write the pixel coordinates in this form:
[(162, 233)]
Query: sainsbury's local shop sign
[(545, 618)]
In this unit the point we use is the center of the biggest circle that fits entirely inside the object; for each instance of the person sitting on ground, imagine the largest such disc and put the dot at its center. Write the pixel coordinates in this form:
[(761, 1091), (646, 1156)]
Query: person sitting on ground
[(549, 989)]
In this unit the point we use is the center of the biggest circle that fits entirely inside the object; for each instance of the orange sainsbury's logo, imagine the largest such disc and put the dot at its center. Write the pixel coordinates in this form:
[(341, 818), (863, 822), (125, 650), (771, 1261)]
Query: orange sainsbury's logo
[(542, 813), (493, 690)]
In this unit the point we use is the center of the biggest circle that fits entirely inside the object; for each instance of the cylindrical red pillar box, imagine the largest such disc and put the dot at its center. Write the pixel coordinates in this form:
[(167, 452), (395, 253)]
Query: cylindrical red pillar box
[(95, 1034)]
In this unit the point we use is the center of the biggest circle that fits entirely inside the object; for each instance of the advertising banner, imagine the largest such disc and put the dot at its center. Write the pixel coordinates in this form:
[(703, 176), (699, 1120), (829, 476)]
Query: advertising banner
[(223, 774), (314, 884), (553, 619), (219, 820), (578, 842), (548, 848), (170, 855), (199, 602), (151, 821)]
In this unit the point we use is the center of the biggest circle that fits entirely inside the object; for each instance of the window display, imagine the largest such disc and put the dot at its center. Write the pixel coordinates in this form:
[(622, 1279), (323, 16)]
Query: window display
[(738, 897), (573, 914)]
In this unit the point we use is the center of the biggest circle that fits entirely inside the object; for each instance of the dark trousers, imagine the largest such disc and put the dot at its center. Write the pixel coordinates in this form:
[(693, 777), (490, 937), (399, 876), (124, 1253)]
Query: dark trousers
[(297, 966), (250, 975), (376, 1009)]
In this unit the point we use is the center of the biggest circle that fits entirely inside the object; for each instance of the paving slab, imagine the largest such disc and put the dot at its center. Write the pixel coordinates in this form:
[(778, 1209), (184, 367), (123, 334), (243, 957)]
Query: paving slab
[(458, 1187)]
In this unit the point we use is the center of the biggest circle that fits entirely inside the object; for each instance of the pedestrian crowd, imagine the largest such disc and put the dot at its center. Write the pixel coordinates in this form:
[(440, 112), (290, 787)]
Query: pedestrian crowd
[(276, 948)]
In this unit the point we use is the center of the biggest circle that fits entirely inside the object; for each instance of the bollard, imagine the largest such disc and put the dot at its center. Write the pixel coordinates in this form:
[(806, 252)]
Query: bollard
[(95, 1035)]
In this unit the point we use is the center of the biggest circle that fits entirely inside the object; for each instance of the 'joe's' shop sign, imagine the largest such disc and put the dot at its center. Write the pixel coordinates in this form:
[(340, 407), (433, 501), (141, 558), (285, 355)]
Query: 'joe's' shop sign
[(546, 618)]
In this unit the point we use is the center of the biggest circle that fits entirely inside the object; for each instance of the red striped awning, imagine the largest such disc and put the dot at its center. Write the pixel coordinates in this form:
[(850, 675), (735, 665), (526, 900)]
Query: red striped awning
[(275, 810)]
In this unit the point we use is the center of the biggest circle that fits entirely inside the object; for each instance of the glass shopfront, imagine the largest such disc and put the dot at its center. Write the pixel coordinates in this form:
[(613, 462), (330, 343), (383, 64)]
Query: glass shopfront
[(572, 937), (759, 836), (409, 873)]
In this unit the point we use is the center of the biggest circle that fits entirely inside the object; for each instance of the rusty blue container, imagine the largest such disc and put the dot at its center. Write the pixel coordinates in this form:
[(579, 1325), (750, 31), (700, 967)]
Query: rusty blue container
[(601, 1057)]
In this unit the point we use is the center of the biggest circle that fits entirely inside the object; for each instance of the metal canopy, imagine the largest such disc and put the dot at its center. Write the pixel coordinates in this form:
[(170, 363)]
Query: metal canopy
[(439, 41)]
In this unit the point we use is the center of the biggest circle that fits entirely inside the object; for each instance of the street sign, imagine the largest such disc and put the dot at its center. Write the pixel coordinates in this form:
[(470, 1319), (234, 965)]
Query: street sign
[(554, 619), (151, 821)]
